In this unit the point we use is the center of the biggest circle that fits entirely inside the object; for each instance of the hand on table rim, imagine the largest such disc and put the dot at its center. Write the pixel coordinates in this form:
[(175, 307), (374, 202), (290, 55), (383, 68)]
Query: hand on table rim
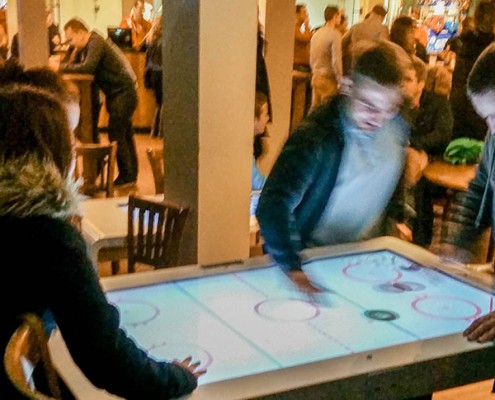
[(193, 368)]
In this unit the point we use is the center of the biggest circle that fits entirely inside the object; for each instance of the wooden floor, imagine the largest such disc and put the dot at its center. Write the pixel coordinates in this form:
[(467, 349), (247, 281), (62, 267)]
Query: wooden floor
[(145, 185)]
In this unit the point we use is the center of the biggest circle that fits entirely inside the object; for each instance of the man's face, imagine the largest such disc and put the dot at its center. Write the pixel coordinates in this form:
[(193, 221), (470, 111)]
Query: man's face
[(410, 84), (484, 105), (76, 39), (372, 105)]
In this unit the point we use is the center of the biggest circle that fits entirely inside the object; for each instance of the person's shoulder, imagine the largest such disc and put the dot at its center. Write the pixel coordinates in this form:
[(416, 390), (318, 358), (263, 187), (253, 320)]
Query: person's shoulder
[(401, 125), (324, 122), (95, 36)]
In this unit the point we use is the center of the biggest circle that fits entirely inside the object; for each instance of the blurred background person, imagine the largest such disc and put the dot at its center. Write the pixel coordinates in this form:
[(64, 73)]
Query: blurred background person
[(261, 118), (466, 122), (4, 44), (53, 32), (302, 43), (138, 25), (430, 117), (402, 33), (454, 44), (90, 53), (53, 38), (326, 58), (153, 72)]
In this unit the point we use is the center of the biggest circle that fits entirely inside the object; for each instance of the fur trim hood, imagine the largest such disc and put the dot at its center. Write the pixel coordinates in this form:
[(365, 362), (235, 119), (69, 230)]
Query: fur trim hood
[(29, 187)]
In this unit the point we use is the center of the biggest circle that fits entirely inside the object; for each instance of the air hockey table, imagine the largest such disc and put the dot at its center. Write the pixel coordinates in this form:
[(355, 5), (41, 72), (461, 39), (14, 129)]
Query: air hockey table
[(387, 325)]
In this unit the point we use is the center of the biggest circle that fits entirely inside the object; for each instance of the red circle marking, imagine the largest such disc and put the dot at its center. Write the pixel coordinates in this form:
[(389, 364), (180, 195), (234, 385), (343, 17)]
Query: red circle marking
[(148, 312), (417, 303), (264, 308), (185, 349), (348, 268)]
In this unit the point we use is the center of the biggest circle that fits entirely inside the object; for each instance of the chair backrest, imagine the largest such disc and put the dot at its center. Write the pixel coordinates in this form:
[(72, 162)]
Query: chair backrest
[(155, 157), (155, 231), (27, 349), (96, 164)]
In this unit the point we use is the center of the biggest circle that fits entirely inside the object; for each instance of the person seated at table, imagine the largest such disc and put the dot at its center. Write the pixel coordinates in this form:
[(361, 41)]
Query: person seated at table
[(431, 120), (138, 25), (336, 175), (52, 273), (261, 118)]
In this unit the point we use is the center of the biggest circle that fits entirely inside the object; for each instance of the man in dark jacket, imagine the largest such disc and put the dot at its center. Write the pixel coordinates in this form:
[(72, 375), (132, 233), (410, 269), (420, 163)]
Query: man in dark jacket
[(474, 211), (431, 121), (466, 121), (113, 75), (336, 174)]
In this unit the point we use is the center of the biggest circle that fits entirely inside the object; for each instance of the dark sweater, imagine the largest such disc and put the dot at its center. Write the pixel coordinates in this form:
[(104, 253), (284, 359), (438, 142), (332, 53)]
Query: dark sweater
[(431, 125), (51, 271), (113, 73)]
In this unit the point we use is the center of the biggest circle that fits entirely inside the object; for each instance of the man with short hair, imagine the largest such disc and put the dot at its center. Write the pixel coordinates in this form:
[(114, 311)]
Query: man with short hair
[(372, 28), (326, 58), (302, 43), (336, 175), (473, 211), (89, 53), (302, 40)]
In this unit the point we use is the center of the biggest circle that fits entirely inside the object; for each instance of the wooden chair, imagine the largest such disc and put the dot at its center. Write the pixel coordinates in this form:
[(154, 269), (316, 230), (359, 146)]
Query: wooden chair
[(96, 163), (29, 345), (154, 232), (155, 157)]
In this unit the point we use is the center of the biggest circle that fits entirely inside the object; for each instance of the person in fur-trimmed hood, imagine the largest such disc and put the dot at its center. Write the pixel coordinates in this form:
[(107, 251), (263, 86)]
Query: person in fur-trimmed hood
[(51, 273)]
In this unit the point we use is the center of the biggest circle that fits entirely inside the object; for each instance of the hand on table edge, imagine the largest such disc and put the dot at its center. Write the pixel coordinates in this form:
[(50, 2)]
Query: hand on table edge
[(193, 368), (482, 329)]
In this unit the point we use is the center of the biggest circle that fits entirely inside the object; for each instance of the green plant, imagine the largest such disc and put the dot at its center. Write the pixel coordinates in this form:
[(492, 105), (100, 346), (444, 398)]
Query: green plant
[(463, 151)]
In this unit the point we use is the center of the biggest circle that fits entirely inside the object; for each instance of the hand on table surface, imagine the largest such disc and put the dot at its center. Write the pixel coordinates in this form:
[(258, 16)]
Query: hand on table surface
[(302, 282), (482, 329), (193, 368)]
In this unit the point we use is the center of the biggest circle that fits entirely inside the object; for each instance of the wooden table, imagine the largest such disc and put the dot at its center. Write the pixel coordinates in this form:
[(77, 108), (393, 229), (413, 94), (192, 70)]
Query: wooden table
[(456, 178), (84, 131), (104, 227), (450, 176)]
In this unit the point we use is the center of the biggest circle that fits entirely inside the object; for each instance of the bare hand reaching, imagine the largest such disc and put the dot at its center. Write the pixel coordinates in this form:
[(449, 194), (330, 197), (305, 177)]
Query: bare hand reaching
[(300, 279), (193, 368), (482, 329)]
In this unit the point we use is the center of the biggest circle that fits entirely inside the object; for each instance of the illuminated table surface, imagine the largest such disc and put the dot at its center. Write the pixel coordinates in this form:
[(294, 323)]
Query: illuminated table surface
[(388, 325)]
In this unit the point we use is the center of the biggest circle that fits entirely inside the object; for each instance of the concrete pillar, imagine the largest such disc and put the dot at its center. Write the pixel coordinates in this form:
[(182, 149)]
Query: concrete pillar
[(278, 18), (209, 84), (33, 34)]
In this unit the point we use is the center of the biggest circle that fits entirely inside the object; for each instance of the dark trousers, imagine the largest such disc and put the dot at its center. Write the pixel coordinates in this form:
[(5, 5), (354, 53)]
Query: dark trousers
[(425, 194), (120, 110)]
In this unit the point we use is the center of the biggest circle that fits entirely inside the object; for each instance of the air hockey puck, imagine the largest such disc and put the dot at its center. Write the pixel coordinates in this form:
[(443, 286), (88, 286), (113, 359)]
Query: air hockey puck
[(381, 315), (399, 287)]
